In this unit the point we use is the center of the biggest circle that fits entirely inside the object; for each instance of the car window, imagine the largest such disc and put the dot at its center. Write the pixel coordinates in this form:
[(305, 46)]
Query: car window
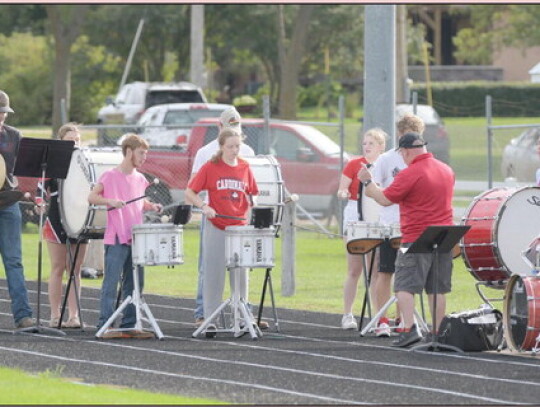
[(163, 97), (189, 116), (149, 118), (318, 139), (530, 138), (284, 144), (254, 135)]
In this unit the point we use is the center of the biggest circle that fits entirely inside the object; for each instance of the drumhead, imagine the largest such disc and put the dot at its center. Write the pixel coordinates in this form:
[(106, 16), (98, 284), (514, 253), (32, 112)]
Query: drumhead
[(518, 224), (85, 168), (267, 173), (518, 322)]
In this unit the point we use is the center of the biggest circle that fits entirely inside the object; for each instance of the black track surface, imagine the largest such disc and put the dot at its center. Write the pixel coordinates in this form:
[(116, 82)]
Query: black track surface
[(311, 361)]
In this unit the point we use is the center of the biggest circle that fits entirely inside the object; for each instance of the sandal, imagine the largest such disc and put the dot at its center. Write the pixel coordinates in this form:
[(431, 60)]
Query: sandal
[(53, 322), (74, 322)]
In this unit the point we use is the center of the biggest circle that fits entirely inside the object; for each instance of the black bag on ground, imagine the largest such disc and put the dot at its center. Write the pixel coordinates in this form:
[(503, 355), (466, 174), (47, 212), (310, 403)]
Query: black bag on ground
[(472, 331)]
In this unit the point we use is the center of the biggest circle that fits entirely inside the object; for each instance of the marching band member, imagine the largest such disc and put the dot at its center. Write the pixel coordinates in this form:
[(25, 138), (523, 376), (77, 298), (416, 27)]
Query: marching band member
[(373, 145), (229, 118), (230, 183), (57, 240), (10, 224), (424, 192), (384, 171), (114, 188)]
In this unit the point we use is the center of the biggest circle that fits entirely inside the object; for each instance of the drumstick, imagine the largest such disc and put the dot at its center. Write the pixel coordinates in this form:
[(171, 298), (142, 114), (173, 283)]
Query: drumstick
[(229, 217), (155, 182)]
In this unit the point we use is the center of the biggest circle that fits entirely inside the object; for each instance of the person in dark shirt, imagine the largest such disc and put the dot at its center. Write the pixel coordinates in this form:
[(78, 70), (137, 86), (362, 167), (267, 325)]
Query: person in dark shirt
[(10, 223)]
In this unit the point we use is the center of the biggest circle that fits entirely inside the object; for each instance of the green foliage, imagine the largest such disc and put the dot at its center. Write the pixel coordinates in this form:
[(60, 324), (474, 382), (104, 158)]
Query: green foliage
[(314, 95), (26, 76), (467, 99)]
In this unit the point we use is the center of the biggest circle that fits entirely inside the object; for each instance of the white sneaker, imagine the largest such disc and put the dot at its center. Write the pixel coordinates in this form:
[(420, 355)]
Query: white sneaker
[(383, 328), (348, 322)]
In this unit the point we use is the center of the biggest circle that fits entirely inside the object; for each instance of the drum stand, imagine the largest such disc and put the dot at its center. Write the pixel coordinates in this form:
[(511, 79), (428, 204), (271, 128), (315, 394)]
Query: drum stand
[(242, 318), (268, 282), (367, 284), (373, 323), (140, 306), (71, 280)]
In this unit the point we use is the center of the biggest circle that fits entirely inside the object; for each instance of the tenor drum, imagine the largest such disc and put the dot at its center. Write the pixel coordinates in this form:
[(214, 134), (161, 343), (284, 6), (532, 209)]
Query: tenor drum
[(157, 244), (394, 235), (267, 173), (521, 313), (503, 223), (246, 246), (78, 217), (362, 237)]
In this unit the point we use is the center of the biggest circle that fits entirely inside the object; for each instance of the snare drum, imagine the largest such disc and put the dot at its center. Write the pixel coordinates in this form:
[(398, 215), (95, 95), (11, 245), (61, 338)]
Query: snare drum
[(78, 217), (521, 314), (157, 244), (267, 173), (503, 223), (363, 237), (246, 246)]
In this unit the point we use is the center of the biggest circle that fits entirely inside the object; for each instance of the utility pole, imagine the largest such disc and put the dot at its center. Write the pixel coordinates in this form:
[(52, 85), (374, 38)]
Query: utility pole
[(402, 74), (379, 69), (196, 68)]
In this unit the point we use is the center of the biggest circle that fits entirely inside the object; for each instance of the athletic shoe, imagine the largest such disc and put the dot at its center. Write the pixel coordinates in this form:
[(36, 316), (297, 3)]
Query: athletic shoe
[(199, 321), (348, 322), (25, 322), (400, 327), (114, 334), (263, 325), (383, 328), (407, 338)]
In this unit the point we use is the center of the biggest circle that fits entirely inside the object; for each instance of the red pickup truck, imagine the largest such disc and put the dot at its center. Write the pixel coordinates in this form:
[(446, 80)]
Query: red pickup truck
[(309, 161)]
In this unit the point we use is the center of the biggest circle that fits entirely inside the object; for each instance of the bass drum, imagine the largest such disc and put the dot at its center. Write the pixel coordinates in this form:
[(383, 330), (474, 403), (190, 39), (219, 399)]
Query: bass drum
[(521, 316), (79, 218), (503, 223), (267, 173)]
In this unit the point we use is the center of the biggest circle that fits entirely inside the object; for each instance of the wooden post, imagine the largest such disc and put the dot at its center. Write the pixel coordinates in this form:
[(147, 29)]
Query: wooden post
[(288, 250)]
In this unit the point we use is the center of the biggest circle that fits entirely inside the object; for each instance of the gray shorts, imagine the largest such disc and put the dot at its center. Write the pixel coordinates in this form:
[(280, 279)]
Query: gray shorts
[(415, 271)]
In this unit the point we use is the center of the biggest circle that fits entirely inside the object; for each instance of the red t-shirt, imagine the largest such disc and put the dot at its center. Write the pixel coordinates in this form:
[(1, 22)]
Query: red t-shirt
[(227, 188), (351, 171), (424, 192)]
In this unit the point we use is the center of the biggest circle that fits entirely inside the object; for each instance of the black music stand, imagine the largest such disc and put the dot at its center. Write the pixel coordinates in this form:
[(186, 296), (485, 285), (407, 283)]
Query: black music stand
[(42, 158), (435, 240)]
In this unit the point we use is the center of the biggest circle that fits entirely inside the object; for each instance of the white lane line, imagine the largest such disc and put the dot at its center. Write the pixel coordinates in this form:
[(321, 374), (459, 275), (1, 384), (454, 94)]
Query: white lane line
[(182, 376), (289, 370)]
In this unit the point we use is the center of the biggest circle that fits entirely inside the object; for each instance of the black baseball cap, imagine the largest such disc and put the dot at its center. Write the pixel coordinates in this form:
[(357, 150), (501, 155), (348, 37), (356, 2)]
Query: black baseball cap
[(411, 140)]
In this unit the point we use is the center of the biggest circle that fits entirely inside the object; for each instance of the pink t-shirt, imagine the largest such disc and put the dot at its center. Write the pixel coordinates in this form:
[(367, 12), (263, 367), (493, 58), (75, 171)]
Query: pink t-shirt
[(117, 185)]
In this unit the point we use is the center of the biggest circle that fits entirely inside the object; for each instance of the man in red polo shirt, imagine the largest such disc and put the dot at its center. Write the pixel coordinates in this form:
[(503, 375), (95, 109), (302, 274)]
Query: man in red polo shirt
[(424, 192)]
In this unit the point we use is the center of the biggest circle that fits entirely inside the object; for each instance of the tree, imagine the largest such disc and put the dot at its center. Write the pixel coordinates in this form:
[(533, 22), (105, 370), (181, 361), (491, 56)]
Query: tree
[(65, 24), (290, 53), (494, 26)]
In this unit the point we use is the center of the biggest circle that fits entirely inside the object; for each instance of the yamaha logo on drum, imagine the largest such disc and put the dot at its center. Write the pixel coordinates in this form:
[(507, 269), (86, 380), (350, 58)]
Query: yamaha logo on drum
[(84, 167), (259, 250), (264, 192)]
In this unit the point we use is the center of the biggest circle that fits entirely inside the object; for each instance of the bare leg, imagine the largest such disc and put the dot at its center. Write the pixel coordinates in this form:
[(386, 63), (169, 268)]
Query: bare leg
[(350, 287), (72, 300), (57, 255)]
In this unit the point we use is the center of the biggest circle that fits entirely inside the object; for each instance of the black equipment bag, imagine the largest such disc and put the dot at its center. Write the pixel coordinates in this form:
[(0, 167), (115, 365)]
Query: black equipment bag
[(472, 331)]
